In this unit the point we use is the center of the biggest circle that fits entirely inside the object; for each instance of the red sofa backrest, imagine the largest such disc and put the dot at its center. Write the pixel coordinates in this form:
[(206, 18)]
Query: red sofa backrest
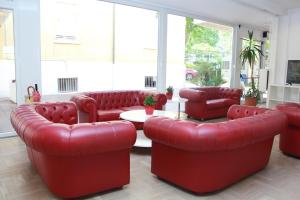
[(212, 92), (232, 134), (237, 111), (221, 92), (107, 100), (65, 113), (69, 140)]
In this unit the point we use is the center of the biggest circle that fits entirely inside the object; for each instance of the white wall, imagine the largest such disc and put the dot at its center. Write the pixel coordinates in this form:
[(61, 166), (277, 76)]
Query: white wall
[(288, 44)]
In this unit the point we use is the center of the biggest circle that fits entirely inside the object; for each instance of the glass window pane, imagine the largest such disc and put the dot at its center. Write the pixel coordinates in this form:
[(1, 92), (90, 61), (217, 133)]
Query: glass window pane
[(7, 71), (92, 45), (199, 53)]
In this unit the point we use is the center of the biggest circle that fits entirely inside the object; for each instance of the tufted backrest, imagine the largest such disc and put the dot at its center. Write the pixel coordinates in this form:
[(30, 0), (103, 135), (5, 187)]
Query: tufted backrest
[(232, 93), (115, 99), (238, 111), (62, 139), (211, 92), (208, 137), (63, 112)]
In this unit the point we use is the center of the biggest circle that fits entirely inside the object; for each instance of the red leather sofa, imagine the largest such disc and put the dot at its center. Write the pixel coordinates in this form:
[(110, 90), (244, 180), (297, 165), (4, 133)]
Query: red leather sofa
[(108, 105), (208, 157), (290, 140), (209, 102), (74, 159)]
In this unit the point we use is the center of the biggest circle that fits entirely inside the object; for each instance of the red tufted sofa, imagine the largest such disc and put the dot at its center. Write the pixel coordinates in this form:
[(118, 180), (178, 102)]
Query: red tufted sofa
[(74, 159), (290, 140), (209, 102), (208, 157), (108, 105)]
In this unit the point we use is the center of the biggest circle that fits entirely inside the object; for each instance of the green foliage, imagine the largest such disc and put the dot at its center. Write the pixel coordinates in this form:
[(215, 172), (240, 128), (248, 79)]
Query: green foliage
[(250, 54), (170, 89), (253, 93), (195, 35), (149, 100), (209, 74)]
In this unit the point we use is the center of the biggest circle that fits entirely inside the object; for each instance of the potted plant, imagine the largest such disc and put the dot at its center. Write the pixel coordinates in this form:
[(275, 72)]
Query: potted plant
[(149, 104), (250, 54), (169, 93)]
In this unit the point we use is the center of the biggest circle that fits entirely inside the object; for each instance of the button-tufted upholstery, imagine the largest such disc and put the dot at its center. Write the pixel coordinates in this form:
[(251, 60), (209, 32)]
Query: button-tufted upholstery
[(74, 159), (108, 105), (290, 140), (65, 113), (208, 157), (209, 102)]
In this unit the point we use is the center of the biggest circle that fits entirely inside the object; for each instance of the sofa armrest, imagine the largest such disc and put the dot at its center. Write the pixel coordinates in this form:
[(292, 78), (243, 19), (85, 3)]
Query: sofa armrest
[(82, 139), (292, 111), (86, 105), (238, 111), (160, 99), (193, 95)]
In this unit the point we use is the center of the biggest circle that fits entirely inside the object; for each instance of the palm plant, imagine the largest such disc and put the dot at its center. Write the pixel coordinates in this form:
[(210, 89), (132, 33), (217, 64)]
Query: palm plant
[(250, 54)]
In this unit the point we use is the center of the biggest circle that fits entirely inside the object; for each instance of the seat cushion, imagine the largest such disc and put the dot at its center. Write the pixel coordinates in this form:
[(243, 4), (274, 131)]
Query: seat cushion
[(133, 108), (216, 103), (107, 115)]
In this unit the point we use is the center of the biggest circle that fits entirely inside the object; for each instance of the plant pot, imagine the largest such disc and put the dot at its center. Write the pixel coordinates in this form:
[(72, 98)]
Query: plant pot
[(149, 110), (250, 101), (169, 95)]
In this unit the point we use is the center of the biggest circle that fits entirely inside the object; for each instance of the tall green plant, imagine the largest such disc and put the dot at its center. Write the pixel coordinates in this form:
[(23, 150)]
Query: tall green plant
[(250, 54)]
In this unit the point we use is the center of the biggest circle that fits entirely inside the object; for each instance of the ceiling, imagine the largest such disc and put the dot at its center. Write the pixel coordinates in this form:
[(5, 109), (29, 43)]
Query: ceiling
[(276, 7), (258, 13)]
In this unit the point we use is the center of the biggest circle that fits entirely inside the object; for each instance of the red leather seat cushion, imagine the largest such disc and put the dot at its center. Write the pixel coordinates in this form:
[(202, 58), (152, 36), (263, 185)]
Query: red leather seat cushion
[(216, 103), (107, 115), (133, 108)]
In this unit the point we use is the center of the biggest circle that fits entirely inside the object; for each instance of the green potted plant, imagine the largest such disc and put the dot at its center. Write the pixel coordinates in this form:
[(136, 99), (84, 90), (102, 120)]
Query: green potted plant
[(149, 104), (250, 54), (169, 92)]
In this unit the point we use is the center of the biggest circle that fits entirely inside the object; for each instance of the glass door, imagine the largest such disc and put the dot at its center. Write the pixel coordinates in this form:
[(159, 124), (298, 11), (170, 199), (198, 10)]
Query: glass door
[(7, 72)]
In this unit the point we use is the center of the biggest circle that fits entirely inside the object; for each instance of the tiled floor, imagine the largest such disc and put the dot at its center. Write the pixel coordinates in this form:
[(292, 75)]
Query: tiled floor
[(6, 107)]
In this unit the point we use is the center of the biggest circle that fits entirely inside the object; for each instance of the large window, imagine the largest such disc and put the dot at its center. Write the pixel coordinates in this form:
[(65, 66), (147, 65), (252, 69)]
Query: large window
[(90, 45), (199, 53), (7, 71)]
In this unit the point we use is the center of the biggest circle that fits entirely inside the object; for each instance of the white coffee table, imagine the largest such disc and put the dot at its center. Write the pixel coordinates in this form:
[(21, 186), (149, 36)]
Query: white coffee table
[(140, 116), (178, 101)]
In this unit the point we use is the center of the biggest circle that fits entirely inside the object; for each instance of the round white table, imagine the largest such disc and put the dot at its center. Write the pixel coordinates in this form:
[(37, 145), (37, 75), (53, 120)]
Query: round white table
[(140, 116)]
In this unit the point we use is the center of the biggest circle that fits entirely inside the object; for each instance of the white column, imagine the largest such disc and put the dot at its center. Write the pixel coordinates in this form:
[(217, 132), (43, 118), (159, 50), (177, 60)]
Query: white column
[(236, 64), (273, 49), (162, 51), (27, 45)]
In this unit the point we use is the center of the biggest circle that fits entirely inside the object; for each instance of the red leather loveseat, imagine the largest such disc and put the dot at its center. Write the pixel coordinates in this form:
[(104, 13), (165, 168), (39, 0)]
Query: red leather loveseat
[(74, 159), (290, 140), (208, 157), (108, 105), (209, 102)]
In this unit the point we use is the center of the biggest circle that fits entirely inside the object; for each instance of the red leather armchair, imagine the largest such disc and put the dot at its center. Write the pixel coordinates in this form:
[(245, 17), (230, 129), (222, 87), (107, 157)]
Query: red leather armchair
[(108, 105), (74, 159), (209, 102), (290, 139), (208, 157)]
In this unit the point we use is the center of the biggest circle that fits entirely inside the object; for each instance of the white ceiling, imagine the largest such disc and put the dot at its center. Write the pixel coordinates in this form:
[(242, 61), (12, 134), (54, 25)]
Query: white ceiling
[(276, 7), (258, 13)]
